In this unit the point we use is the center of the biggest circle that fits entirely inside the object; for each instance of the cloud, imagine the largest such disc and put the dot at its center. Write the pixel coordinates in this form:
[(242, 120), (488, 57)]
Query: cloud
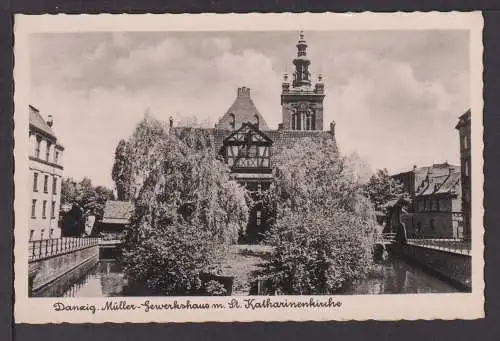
[(395, 96)]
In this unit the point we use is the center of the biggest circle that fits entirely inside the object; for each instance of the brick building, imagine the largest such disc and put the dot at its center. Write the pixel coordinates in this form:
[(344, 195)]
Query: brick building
[(435, 209), (46, 171), (464, 129), (251, 149)]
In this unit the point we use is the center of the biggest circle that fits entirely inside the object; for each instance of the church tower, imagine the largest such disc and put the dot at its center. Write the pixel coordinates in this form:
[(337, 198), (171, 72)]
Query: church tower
[(302, 104)]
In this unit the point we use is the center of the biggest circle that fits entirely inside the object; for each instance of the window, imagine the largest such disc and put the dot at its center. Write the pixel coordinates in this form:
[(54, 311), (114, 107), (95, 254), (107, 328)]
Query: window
[(37, 148), (256, 120), (438, 208), (41, 233), (259, 186), (433, 224), (33, 208), (54, 185), (32, 232), (294, 121), (35, 182), (258, 218), (53, 210), (47, 151), (44, 209), (56, 157), (466, 168), (231, 121), (466, 142), (46, 184), (51, 232), (308, 121)]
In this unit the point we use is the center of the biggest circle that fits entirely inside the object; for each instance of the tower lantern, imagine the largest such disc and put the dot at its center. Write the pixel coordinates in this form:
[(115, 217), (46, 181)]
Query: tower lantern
[(301, 74)]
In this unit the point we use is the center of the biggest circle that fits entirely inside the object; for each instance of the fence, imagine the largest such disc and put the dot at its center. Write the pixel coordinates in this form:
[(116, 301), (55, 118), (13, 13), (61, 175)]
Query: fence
[(44, 248), (446, 244)]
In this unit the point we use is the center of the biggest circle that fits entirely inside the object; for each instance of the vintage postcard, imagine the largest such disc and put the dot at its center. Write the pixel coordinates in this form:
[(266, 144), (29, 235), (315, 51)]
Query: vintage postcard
[(253, 167)]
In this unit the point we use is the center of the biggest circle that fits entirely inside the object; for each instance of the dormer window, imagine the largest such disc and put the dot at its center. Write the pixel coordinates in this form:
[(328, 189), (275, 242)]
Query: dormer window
[(231, 121), (256, 121)]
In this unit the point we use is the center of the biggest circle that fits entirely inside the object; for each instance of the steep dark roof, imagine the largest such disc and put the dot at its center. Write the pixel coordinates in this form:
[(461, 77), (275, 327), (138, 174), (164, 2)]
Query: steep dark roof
[(281, 139), (463, 120), (117, 212), (37, 122), (286, 139), (438, 180), (244, 110)]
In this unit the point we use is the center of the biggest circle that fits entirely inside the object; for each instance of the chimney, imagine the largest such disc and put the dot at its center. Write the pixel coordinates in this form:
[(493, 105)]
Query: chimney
[(171, 121), (414, 167), (243, 92), (50, 121)]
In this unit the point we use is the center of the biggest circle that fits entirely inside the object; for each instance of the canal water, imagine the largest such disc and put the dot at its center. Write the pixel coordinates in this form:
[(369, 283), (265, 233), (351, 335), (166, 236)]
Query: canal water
[(394, 276)]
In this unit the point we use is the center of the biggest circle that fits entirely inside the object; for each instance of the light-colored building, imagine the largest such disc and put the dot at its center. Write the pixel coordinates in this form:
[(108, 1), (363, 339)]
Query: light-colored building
[(46, 171)]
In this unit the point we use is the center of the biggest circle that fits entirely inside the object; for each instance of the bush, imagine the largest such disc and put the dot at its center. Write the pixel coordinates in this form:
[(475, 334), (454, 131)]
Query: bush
[(214, 288)]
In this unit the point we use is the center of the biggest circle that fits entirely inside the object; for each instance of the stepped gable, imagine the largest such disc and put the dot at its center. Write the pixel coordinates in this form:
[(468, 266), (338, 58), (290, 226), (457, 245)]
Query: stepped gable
[(244, 110)]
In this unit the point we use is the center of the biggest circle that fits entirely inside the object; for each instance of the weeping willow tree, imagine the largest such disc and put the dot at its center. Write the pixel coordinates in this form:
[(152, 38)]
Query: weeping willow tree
[(188, 211), (325, 226)]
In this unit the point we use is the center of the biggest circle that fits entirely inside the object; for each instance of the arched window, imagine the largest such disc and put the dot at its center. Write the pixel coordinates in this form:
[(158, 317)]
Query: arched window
[(294, 120), (231, 121)]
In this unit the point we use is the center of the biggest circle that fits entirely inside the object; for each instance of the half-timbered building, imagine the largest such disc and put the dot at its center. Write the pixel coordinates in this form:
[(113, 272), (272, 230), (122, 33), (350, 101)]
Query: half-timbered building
[(252, 150)]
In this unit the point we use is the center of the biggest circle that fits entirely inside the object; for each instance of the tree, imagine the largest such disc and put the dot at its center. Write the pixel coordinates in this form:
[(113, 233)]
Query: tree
[(324, 229), (85, 200), (121, 172), (188, 211), (382, 188)]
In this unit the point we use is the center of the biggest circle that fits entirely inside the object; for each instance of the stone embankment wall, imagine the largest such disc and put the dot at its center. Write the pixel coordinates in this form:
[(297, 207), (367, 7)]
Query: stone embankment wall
[(45, 271), (451, 266)]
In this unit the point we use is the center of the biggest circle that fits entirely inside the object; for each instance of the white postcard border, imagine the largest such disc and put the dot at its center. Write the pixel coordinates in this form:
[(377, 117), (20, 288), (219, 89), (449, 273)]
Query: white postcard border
[(360, 307)]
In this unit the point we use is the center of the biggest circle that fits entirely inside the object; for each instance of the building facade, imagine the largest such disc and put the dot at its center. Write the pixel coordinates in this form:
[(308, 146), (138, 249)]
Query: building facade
[(252, 150), (464, 131), (436, 198), (46, 171)]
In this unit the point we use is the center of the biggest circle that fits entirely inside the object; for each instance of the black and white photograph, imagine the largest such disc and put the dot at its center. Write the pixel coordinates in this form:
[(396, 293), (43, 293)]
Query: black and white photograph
[(206, 169)]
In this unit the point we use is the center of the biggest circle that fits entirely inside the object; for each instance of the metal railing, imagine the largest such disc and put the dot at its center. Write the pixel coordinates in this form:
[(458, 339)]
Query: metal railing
[(44, 248), (390, 237), (456, 245)]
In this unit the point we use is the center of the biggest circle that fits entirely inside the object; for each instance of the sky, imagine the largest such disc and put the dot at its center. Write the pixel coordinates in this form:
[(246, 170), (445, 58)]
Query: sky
[(395, 95)]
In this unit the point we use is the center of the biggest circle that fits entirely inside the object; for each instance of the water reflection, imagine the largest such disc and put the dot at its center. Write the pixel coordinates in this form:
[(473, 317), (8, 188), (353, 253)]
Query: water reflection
[(104, 280), (394, 276)]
